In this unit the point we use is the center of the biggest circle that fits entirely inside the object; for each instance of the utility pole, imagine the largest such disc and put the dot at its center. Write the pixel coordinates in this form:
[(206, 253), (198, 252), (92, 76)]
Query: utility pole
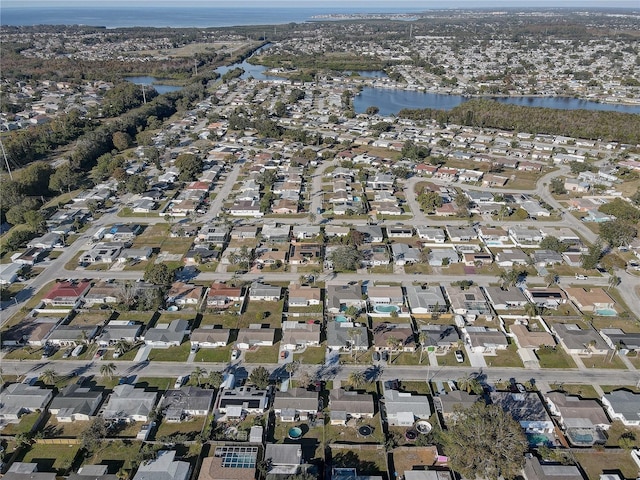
[(6, 160)]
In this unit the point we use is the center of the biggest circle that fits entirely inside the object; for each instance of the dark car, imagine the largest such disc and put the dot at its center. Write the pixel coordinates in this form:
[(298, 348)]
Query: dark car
[(376, 357), (385, 356)]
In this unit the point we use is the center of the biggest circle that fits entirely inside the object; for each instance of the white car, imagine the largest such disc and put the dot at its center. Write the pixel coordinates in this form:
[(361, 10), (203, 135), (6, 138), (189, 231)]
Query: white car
[(581, 277), (459, 356), (180, 381), (234, 355)]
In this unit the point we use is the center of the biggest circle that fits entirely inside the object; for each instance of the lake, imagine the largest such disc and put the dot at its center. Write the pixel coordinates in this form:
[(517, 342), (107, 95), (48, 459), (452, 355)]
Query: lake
[(391, 101), (155, 83)]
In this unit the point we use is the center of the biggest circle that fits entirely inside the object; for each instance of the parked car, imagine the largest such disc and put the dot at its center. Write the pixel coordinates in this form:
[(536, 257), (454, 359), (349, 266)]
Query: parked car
[(100, 353), (234, 355), (581, 277), (385, 356), (67, 353), (376, 357), (194, 348), (181, 380), (283, 354), (459, 356)]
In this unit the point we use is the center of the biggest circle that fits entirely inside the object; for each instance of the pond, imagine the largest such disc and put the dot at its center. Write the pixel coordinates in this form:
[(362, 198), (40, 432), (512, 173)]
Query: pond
[(155, 83)]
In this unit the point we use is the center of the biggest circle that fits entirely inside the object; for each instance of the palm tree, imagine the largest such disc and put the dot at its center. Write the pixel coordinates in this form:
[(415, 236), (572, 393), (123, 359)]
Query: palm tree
[(394, 344), (614, 281), (551, 279), (199, 373), (122, 346), (291, 368), (353, 334), (469, 384), (108, 369), (215, 379), (49, 376), (422, 338), (357, 380)]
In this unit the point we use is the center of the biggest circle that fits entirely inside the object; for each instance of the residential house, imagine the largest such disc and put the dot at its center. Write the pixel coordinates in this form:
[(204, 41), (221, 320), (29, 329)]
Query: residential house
[(123, 233), (303, 296), (505, 299), (245, 399), (230, 463), (591, 300), (9, 273), (119, 330), (459, 233), (345, 405), (264, 292), (180, 404), (425, 300), (103, 293), (295, 404), (270, 257), (30, 331), (485, 340), (221, 295), (546, 297), (509, 257), (346, 337), (47, 241), (246, 208), (534, 470), (399, 231), (163, 467), (404, 254), (255, 336), (526, 408), (545, 258), (18, 399), (494, 236), (439, 337), (372, 233), (67, 293), (448, 402), (583, 420), (276, 232), (381, 182), (305, 253), (65, 335), (92, 472), (402, 409), (386, 335), (623, 405), (244, 232), (525, 236), (527, 338), (296, 335), (129, 404), (306, 232), (217, 235), (101, 253), (75, 403), (470, 301), (210, 337), (620, 340), (332, 231), (165, 336), (576, 340), (341, 297), (184, 294), (385, 295), (439, 257), (283, 458), (27, 471), (431, 234)]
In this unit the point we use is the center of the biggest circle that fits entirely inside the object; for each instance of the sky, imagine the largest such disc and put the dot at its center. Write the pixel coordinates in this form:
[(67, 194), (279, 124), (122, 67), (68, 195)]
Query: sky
[(416, 5)]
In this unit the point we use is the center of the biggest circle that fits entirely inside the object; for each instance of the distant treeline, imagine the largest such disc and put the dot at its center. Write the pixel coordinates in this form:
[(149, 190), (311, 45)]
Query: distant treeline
[(589, 124)]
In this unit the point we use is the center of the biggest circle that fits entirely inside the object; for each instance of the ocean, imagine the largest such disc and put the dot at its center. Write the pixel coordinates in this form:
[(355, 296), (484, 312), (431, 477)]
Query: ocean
[(201, 17)]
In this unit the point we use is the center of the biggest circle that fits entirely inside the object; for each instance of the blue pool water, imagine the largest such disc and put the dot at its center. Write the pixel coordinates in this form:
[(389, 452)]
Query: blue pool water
[(385, 308), (341, 319), (536, 439), (606, 312), (295, 432)]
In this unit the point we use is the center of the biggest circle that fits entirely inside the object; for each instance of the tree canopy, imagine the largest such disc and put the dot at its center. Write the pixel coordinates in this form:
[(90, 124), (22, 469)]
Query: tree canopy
[(259, 377), (485, 441)]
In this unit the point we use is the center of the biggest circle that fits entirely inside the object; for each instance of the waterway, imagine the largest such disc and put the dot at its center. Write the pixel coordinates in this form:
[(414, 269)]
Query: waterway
[(155, 83)]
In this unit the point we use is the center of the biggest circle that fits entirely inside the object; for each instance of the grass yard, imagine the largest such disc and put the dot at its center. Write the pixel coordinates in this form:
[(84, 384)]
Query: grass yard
[(419, 388), (617, 430), (171, 354), (55, 429), (262, 312), (48, 457), (580, 390), (627, 324), (225, 320), (214, 355), (359, 358), (407, 358), (595, 462), (611, 388), (554, 358), (505, 358), (603, 361), (91, 318), (311, 355), (190, 428), (369, 461), (127, 430), (262, 355), (311, 440), (418, 269), (24, 426), (159, 383), (119, 454), (340, 434), (450, 359)]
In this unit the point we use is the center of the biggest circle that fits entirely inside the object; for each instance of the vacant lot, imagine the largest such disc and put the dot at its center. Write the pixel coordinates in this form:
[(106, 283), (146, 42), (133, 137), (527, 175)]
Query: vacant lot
[(596, 462)]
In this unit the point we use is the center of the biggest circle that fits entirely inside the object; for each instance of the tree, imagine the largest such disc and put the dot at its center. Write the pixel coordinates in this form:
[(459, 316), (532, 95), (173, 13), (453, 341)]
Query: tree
[(35, 220), (354, 333), (592, 257), (551, 279), (372, 110), (49, 376), (557, 186), (614, 281), (159, 274), (91, 437), (215, 379), (394, 344), (618, 232), (121, 140), (198, 374), (136, 184), (190, 166), (108, 369), (357, 380), (260, 377), (470, 384), (346, 258), (291, 368), (429, 201), (122, 346), (485, 441), (422, 338), (64, 179), (552, 243)]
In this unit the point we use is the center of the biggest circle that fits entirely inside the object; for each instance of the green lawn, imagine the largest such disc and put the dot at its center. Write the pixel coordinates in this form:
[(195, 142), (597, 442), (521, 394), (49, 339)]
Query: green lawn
[(603, 361), (505, 358), (369, 461), (121, 453), (420, 388), (617, 430), (584, 391), (339, 434), (262, 355), (311, 355), (214, 355), (58, 457), (189, 428), (24, 426), (226, 320), (262, 312), (554, 358), (159, 383), (595, 462), (55, 429), (171, 354)]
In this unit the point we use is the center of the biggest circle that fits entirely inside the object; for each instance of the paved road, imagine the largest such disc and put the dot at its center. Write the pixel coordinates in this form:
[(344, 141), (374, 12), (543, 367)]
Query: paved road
[(339, 372)]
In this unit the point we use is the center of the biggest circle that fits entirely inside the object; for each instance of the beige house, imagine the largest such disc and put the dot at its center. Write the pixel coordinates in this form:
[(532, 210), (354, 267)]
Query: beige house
[(591, 300)]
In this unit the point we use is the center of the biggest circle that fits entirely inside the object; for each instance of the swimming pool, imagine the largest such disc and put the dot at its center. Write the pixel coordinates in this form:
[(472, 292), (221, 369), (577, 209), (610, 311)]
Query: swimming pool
[(341, 319), (606, 312), (536, 439), (385, 308)]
